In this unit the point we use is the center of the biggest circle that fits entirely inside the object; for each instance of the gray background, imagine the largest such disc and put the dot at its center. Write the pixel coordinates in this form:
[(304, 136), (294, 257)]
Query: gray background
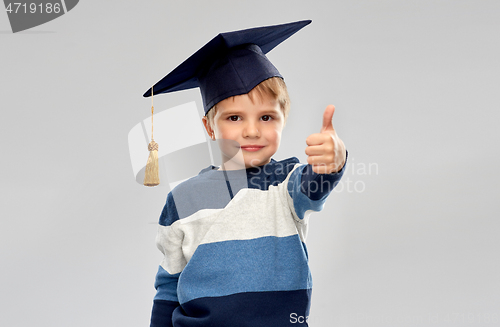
[(416, 86)]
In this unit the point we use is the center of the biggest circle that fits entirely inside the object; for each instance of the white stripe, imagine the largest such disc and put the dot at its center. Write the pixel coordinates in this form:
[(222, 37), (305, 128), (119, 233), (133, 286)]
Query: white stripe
[(170, 244), (251, 214)]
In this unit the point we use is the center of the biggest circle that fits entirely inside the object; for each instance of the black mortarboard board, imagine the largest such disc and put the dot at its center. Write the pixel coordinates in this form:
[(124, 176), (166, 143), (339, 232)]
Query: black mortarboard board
[(230, 64)]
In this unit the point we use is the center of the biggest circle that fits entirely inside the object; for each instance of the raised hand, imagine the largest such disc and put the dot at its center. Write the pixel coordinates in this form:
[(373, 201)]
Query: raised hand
[(326, 151)]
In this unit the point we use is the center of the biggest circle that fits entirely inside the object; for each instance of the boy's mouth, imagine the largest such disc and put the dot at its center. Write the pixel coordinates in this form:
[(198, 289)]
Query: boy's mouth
[(251, 147)]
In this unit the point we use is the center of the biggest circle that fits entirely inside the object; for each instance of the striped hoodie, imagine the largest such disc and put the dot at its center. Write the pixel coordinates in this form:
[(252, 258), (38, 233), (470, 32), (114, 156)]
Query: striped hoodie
[(234, 247)]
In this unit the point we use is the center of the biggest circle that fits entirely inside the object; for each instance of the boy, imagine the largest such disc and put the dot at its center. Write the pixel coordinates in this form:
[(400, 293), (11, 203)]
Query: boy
[(233, 237)]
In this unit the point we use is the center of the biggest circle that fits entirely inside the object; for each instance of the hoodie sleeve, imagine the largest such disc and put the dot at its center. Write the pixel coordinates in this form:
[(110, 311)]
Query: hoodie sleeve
[(308, 190)]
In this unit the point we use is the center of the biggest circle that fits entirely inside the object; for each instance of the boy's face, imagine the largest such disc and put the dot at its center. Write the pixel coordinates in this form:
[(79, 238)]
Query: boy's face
[(253, 126)]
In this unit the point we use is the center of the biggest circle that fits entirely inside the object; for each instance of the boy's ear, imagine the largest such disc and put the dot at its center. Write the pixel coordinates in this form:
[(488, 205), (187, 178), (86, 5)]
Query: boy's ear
[(209, 130)]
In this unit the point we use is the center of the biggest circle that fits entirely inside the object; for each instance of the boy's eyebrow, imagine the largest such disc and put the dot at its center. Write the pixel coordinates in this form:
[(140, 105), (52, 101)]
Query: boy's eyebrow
[(269, 111), (230, 112)]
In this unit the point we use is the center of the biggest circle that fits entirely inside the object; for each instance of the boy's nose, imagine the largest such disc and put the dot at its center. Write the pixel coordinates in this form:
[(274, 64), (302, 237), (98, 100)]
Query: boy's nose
[(251, 130)]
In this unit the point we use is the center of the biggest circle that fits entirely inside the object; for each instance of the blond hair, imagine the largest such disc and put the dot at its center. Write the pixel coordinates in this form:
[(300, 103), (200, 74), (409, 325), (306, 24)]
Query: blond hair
[(274, 86)]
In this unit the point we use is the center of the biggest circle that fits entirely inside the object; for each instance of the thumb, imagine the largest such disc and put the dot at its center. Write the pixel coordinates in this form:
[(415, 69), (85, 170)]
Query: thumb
[(327, 118)]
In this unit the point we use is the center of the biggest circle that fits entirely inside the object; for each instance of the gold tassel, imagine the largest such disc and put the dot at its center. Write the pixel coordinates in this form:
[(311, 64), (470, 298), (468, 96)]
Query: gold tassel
[(151, 176)]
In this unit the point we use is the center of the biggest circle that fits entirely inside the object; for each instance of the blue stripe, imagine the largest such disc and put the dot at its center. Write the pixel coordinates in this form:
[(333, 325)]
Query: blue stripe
[(263, 264), (166, 285), (301, 202), (318, 186), (169, 213), (276, 309), (200, 193)]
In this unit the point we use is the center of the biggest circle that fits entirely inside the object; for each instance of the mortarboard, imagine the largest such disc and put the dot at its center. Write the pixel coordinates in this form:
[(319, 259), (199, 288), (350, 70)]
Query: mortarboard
[(230, 64)]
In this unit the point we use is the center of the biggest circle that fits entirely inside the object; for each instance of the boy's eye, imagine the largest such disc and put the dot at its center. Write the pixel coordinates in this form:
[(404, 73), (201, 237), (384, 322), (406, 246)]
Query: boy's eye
[(266, 118), (234, 118)]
